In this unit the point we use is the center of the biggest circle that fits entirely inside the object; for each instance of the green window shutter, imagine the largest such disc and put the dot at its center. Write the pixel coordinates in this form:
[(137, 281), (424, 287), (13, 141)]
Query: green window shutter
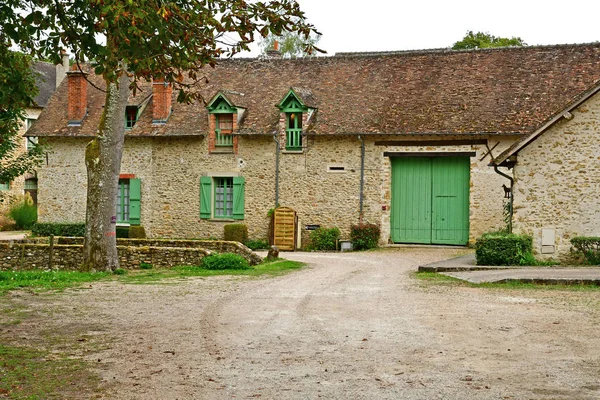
[(238, 197), (205, 194), (135, 197)]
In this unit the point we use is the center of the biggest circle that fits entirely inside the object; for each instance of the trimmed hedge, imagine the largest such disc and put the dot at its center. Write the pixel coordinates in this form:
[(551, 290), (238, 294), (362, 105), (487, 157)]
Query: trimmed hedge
[(235, 233), (137, 232), (259, 244), (365, 236), (589, 247), (122, 232), (224, 261), (504, 249), (324, 239), (47, 229)]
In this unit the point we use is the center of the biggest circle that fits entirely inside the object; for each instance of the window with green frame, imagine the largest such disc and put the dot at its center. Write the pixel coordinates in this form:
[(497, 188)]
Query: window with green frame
[(5, 186), (128, 201), (224, 130), (222, 197), (131, 116), (293, 131)]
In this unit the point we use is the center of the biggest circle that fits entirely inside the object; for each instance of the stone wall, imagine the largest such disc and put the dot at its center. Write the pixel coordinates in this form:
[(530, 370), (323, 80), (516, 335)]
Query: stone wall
[(170, 171), (557, 182)]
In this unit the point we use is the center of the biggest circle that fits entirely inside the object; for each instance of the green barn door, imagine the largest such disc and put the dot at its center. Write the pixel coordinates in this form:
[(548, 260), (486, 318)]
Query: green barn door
[(450, 208), (430, 200), (411, 200)]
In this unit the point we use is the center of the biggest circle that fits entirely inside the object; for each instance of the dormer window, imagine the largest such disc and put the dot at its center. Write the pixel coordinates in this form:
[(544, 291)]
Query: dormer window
[(223, 117), (296, 111), (131, 116)]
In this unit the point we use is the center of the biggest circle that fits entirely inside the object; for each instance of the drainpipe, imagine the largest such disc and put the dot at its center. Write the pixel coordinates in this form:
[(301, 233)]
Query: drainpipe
[(510, 200), (362, 178), (277, 151)]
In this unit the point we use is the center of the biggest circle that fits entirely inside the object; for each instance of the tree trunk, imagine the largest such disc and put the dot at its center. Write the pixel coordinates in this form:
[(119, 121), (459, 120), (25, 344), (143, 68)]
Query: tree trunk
[(103, 162)]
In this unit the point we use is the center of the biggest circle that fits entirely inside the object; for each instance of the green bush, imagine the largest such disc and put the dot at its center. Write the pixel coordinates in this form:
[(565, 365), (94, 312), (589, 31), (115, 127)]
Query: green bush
[(589, 247), (504, 249), (259, 244), (224, 261), (236, 233), (47, 229), (122, 232), (324, 239), (145, 265), (364, 236), (137, 232), (24, 213)]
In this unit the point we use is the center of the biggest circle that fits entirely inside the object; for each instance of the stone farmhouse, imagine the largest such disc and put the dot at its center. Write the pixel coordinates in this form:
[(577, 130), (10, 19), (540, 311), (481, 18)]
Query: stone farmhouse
[(48, 78), (403, 140)]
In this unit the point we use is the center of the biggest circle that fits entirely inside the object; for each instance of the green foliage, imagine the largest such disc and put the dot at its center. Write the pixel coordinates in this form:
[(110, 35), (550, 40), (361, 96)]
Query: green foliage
[(292, 45), (259, 244), (120, 271), (23, 212), (324, 239), (224, 261), (19, 88), (47, 229), (589, 247), (46, 279), (236, 233), (504, 249), (365, 236), (483, 40), (122, 232), (145, 265), (137, 232)]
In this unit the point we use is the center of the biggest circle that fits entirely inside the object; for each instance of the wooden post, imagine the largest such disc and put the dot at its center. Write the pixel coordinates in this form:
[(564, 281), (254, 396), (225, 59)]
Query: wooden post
[(51, 253)]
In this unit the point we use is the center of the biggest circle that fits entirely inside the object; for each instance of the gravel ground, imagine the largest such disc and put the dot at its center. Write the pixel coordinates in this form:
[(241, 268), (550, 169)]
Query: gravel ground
[(349, 326)]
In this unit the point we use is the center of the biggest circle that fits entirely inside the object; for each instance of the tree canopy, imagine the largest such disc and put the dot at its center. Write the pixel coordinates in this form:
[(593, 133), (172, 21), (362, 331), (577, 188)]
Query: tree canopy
[(483, 40), (17, 80), (292, 45)]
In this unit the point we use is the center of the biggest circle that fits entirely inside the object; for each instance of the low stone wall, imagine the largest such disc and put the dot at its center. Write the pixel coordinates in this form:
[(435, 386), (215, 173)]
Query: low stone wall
[(34, 253)]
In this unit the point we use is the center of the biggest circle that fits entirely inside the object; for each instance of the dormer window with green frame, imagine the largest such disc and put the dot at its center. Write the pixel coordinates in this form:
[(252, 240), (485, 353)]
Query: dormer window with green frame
[(223, 112), (131, 116), (293, 108)]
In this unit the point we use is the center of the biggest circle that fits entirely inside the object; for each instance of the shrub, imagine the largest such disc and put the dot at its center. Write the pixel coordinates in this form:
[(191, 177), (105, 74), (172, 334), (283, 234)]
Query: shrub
[(504, 249), (324, 239), (259, 244), (225, 261), (122, 232), (137, 232), (236, 233), (364, 236), (47, 229), (120, 271), (589, 247), (23, 212), (145, 265), (6, 223)]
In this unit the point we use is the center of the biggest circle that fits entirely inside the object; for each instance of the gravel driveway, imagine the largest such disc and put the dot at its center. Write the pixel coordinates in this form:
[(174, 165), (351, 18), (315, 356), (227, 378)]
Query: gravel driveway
[(349, 326)]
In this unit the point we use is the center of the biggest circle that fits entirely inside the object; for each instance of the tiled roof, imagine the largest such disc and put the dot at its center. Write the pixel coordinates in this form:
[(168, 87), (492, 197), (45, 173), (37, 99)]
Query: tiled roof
[(490, 91), (45, 81)]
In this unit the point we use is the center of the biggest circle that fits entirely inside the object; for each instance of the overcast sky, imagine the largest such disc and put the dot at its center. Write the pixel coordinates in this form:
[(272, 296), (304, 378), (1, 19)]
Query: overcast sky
[(380, 25)]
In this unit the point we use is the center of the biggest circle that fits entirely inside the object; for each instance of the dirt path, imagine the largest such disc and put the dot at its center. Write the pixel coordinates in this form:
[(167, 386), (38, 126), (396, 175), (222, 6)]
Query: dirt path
[(349, 326)]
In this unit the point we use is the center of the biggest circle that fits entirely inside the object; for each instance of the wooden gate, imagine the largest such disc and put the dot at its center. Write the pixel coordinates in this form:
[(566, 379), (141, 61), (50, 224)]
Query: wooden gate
[(284, 228)]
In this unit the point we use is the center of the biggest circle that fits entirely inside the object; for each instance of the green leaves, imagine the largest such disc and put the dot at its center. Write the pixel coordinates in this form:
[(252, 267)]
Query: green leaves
[(482, 40)]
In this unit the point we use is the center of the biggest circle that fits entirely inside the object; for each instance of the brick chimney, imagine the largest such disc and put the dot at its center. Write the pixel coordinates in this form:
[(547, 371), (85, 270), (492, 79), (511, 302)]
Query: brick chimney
[(77, 96), (162, 94)]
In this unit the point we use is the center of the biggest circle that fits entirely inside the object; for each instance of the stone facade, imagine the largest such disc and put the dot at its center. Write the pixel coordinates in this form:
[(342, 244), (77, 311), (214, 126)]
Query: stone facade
[(170, 171), (557, 182)]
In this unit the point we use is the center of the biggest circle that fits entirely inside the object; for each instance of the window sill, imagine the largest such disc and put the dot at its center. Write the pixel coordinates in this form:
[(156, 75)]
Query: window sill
[(292, 151), (222, 220), (222, 151)]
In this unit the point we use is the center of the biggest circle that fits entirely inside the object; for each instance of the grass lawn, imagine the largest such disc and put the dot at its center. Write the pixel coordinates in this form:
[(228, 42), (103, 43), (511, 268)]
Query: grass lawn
[(58, 280)]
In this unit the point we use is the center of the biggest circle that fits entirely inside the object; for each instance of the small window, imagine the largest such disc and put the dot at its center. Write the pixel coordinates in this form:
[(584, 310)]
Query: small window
[(293, 132), (224, 130), (4, 186), (130, 116), (28, 123), (222, 197), (31, 142)]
